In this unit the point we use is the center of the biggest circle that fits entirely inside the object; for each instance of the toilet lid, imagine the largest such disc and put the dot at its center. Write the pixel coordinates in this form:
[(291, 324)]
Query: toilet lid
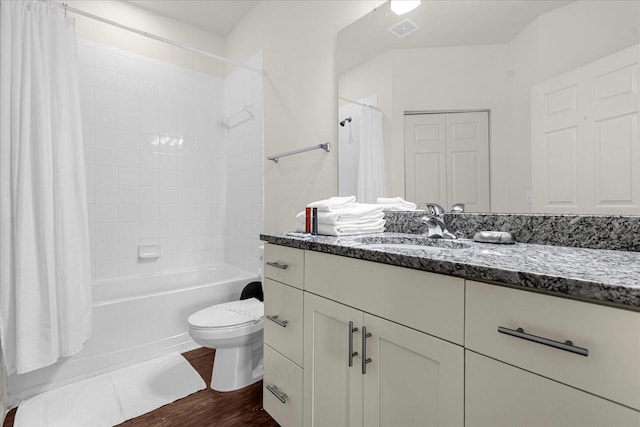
[(233, 313)]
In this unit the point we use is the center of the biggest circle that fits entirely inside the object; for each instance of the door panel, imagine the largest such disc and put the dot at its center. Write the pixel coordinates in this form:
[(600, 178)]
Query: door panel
[(413, 379), (468, 160), (425, 158), (332, 389)]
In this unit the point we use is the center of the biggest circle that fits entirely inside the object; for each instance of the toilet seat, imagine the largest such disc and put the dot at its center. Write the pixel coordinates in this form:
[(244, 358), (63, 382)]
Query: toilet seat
[(228, 320)]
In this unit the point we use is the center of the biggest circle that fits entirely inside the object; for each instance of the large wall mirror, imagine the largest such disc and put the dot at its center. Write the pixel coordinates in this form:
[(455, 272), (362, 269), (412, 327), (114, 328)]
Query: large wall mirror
[(506, 106)]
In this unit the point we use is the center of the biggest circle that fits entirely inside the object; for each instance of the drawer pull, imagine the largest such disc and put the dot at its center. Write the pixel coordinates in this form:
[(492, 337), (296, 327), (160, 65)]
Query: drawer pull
[(277, 321), (365, 359), (274, 390), (566, 346), (351, 352), (277, 265)]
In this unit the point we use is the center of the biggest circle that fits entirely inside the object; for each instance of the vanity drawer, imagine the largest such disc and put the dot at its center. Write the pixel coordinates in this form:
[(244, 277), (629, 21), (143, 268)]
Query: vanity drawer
[(286, 376), (283, 319), (611, 336), (498, 394), (431, 303), (284, 264)]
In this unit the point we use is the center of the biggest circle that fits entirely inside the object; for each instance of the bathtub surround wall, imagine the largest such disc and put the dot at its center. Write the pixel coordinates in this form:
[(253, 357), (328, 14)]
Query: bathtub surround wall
[(581, 231), (244, 166), (155, 162)]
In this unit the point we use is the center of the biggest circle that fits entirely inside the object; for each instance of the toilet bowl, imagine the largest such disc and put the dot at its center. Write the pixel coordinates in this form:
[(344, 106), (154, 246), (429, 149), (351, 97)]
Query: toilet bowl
[(234, 330)]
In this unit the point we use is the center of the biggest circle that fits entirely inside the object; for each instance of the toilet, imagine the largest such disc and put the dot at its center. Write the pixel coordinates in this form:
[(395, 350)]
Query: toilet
[(234, 330)]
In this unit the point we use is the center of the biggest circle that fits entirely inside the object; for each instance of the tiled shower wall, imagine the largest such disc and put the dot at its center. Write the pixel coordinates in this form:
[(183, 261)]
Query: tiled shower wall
[(245, 159), (155, 162)]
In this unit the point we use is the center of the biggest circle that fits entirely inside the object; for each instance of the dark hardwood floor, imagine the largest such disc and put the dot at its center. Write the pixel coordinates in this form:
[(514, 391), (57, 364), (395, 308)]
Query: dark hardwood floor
[(204, 408)]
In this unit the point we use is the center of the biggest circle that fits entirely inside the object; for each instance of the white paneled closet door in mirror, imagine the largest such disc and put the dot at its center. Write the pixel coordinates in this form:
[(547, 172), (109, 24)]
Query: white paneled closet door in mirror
[(585, 147), (447, 159)]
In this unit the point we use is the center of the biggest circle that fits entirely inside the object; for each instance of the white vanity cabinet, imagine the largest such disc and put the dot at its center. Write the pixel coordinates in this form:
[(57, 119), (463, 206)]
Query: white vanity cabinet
[(439, 350), (551, 361), (410, 377)]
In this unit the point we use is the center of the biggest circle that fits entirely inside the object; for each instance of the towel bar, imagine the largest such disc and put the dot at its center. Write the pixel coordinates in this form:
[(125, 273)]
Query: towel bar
[(326, 147)]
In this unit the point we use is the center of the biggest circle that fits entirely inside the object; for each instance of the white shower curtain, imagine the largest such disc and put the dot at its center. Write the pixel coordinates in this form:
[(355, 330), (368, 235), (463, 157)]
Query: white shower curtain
[(371, 171), (45, 288)]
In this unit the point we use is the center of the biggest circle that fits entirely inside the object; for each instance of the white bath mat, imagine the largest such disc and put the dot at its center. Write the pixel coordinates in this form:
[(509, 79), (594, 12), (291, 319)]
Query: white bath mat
[(112, 398)]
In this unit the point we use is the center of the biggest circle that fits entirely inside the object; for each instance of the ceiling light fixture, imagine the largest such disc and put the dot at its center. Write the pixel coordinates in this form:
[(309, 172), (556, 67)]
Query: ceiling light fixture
[(400, 7)]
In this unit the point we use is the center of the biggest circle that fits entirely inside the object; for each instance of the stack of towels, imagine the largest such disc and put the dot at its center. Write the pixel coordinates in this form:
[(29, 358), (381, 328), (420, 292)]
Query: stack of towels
[(342, 216), (396, 204)]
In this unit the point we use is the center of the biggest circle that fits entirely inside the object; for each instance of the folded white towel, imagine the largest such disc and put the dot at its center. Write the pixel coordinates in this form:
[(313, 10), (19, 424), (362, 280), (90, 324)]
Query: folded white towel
[(345, 230), (358, 212), (331, 219), (333, 203), (396, 204), (349, 229)]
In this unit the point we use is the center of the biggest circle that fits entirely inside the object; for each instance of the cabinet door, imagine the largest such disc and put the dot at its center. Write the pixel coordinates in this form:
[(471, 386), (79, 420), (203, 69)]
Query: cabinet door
[(413, 379), (498, 394), (332, 389)]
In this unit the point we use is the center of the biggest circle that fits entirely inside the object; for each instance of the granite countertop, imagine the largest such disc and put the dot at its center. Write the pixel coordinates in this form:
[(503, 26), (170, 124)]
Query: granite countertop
[(593, 275)]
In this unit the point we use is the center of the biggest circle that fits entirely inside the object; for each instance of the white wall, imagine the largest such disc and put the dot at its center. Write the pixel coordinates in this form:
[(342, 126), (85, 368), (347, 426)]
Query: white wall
[(584, 31), (155, 162), (245, 167), (129, 14), (298, 40)]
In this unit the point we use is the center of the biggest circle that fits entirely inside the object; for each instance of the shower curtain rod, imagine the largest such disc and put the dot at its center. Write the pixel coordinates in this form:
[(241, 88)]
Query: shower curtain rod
[(66, 7), (373, 107)]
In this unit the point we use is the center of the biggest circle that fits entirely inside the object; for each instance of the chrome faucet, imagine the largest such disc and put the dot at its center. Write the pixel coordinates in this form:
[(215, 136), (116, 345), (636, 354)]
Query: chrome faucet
[(434, 220)]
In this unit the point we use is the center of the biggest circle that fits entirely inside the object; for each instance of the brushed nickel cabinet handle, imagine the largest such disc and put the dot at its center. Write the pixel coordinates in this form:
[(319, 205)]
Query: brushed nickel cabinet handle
[(277, 321), (282, 397), (351, 352), (277, 265), (566, 346), (365, 359)]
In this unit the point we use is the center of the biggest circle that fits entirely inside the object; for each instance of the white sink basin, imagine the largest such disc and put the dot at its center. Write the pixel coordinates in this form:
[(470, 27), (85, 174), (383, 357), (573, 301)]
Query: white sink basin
[(410, 242), (383, 246)]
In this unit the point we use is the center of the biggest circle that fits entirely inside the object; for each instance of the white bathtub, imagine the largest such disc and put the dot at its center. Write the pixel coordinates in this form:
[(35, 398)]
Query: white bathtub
[(136, 319)]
